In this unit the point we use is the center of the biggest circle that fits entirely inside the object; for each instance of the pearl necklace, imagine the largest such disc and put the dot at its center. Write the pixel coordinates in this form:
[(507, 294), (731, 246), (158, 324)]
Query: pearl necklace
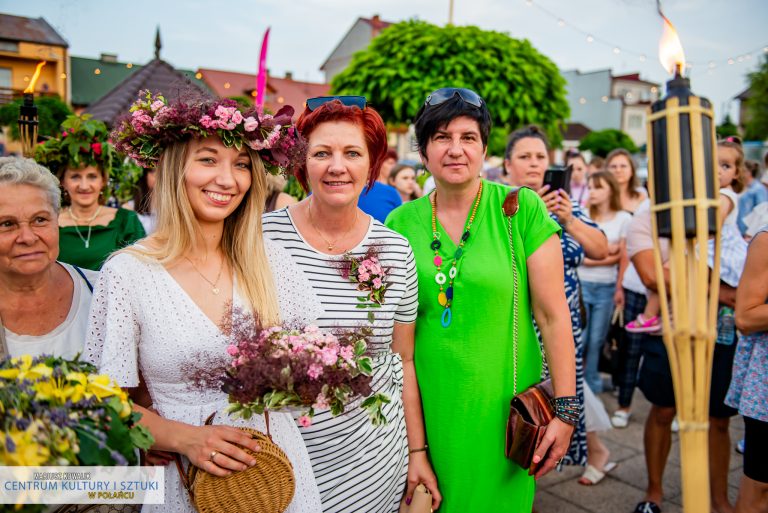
[(445, 297)]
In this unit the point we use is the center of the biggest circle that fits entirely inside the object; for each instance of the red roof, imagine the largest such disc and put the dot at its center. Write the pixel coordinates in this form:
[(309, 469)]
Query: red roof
[(633, 77), (291, 92)]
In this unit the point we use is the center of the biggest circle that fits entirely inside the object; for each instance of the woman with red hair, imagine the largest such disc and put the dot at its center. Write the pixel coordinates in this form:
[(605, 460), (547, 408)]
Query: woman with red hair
[(365, 276)]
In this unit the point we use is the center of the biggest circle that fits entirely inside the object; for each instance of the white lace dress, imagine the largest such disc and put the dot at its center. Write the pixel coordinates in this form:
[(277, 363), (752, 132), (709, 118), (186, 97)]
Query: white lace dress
[(141, 319)]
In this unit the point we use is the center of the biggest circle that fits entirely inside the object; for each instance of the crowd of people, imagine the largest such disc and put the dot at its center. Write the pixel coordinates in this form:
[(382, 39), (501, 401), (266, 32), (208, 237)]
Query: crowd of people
[(141, 289)]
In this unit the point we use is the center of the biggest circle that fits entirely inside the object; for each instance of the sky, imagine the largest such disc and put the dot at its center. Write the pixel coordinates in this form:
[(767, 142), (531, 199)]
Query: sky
[(226, 34)]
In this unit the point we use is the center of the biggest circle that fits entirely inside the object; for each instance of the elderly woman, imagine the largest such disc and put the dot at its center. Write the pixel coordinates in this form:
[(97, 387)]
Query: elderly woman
[(358, 467), (469, 364), (83, 159), (527, 158), (43, 303)]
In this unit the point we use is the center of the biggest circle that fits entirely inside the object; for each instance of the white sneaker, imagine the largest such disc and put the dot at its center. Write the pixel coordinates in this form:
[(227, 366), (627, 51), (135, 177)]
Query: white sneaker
[(675, 426), (620, 419)]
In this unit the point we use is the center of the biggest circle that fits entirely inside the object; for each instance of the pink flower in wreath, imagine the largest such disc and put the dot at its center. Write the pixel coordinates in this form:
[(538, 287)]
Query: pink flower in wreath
[(347, 353), (363, 276), (232, 350), (321, 402), (223, 113), (304, 421), (250, 124), (315, 371), (377, 283), (329, 355), (237, 117), (157, 105)]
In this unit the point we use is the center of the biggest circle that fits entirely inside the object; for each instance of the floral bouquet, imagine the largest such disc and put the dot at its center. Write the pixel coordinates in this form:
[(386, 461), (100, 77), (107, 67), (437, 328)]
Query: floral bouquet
[(281, 368), (370, 277), (60, 412)]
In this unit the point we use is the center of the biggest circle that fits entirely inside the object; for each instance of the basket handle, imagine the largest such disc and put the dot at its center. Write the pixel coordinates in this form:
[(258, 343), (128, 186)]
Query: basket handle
[(189, 481)]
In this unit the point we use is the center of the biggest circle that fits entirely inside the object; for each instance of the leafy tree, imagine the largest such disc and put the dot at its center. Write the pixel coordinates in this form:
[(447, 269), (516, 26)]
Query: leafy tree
[(51, 113), (726, 128), (410, 59), (602, 142), (757, 126)]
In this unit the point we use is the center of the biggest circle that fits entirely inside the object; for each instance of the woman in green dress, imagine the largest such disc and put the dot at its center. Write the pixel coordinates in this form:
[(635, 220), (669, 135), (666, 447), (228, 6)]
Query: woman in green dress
[(82, 158), (464, 350)]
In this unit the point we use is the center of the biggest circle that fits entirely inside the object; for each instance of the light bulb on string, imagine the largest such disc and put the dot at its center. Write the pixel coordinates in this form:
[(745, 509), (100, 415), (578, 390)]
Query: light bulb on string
[(590, 38), (642, 58), (560, 23), (616, 50), (731, 61)]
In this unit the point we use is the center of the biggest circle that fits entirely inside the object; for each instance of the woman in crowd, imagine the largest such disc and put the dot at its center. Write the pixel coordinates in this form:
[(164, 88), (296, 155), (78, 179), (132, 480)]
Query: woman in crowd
[(142, 200), (43, 303), (403, 178), (527, 158), (622, 166), (599, 277), (469, 363), (159, 306), (749, 385), (357, 466), (579, 176), (276, 198), (83, 159)]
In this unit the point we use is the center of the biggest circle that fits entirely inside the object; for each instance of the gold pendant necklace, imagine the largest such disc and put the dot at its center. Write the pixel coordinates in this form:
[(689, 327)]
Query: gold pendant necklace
[(330, 245), (214, 284)]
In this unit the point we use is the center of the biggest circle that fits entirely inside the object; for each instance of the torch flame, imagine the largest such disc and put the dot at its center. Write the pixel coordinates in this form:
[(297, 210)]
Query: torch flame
[(671, 52), (31, 87)]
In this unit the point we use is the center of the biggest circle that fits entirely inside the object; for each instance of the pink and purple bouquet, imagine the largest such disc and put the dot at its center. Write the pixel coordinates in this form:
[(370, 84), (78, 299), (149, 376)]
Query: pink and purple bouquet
[(370, 277), (290, 368)]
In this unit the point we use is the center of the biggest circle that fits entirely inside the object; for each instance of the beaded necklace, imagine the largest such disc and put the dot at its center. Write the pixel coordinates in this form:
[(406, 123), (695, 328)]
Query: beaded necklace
[(445, 297)]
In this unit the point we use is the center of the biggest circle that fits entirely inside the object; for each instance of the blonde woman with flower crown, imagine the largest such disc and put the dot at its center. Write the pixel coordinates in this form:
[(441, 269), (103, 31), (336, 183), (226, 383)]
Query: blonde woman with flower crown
[(158, 305)]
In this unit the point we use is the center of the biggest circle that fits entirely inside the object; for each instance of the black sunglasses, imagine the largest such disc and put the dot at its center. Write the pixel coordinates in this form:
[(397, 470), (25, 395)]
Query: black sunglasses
[(349, 101), (446, 93)]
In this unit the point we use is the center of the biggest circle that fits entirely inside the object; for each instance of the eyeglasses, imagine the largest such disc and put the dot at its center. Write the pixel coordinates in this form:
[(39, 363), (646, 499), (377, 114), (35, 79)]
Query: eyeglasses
[(446, 93), (349, 101)]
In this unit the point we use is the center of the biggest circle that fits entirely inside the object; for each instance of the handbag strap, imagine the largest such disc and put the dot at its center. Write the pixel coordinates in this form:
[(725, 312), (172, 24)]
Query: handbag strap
[(510, 208)]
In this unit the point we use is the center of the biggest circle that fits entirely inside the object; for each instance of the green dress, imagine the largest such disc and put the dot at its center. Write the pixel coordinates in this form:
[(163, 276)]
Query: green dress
[(122, 231), (465, 371)]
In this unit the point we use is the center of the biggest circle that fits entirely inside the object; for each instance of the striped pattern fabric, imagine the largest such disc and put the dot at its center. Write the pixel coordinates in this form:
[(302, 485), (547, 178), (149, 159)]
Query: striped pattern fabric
[(358, 467)]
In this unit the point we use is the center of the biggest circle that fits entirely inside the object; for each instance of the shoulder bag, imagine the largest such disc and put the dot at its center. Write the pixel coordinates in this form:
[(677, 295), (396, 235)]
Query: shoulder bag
[(531, 410)]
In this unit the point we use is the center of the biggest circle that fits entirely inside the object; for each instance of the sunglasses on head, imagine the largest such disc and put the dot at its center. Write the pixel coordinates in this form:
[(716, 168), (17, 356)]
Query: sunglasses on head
[(446, 93), (349, 101)]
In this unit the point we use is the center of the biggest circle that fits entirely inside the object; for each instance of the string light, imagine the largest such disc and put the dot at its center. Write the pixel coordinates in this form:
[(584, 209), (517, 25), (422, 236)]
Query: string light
[(617, 49), (582, 100)]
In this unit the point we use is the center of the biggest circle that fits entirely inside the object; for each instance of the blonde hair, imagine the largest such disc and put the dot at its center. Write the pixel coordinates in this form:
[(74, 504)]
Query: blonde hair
[(739, 181), (242, 241)]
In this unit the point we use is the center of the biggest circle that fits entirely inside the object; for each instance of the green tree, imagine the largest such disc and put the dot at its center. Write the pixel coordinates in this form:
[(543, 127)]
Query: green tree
[(409, 60), (51, 113), (726, 128), (757, 126), (602, 142)]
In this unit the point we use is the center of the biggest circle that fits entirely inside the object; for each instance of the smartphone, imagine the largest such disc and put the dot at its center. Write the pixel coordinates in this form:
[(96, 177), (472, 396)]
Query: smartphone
[(558, 177)]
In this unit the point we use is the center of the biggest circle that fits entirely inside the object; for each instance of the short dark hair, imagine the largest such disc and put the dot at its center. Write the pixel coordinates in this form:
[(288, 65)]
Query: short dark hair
[(753, 167), (523, 133), (432, 118)]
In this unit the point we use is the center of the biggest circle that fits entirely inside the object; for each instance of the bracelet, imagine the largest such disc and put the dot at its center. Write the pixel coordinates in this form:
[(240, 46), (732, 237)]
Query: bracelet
[(567, 408), (420, 449), (569, 222)]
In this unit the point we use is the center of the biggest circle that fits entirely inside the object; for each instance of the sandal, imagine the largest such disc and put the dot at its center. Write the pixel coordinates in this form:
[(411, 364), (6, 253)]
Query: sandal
[(592, 475), (647, 507), (643, 325)]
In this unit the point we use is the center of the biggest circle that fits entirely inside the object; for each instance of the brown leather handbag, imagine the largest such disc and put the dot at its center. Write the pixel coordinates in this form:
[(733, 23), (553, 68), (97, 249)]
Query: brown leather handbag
[(531, 410)]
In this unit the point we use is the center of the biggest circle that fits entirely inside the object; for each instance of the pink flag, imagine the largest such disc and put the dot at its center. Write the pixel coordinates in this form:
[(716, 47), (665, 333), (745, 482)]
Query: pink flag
[(261, 78)]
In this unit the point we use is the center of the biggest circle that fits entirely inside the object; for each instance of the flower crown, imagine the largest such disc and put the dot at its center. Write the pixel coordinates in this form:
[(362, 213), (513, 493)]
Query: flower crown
[(83, 142), (154, 124)]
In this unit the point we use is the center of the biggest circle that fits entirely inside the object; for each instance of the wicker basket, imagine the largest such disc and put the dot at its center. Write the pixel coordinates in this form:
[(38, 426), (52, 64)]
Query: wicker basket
[(267, 487)]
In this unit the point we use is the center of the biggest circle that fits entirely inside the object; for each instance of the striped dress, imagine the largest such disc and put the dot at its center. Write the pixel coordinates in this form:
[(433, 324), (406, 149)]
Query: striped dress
[(358, 467)]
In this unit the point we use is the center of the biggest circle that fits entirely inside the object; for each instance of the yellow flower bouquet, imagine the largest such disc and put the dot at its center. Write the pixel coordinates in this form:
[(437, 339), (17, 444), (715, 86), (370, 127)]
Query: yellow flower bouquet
[(61, 412)]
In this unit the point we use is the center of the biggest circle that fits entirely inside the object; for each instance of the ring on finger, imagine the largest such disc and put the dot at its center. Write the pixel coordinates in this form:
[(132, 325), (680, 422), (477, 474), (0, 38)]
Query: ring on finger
[(213, 455)]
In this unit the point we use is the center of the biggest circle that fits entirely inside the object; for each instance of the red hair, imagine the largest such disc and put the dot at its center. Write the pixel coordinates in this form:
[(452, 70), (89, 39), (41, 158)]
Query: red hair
[(374, 132)]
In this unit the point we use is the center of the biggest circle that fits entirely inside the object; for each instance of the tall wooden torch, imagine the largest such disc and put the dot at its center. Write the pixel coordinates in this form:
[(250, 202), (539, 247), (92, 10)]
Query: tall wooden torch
[(682, 174), (28, 122)]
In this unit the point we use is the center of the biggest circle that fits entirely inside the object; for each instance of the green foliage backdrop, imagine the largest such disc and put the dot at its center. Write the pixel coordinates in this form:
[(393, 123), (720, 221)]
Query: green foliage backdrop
[(757, 127), (602, 142), (409, 60)]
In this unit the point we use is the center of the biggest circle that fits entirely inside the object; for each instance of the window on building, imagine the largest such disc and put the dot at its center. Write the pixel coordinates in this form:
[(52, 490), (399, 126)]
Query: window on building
[(9, 46), (5, 78), (635, 121)]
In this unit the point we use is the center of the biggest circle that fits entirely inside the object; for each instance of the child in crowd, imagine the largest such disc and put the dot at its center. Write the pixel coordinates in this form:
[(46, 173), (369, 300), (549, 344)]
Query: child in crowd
[(730, 158)]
